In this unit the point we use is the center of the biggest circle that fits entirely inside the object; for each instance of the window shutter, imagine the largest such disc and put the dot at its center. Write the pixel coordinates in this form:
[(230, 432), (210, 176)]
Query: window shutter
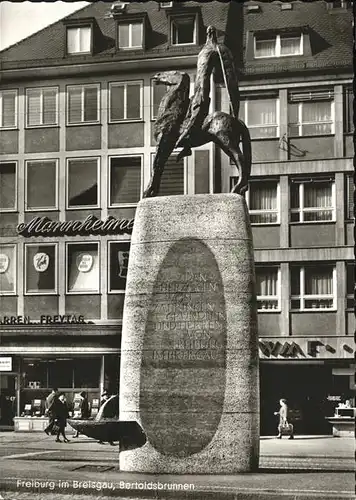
[(133, 101), (9, 108), (90, 104), (34, 107), (173, 178), (117, 106), (312, 95), (49, 106), (350, 197), (75, 105)]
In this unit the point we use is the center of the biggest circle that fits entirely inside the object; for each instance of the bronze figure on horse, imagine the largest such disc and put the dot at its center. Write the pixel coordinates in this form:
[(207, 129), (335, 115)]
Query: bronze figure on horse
[(185, 123)]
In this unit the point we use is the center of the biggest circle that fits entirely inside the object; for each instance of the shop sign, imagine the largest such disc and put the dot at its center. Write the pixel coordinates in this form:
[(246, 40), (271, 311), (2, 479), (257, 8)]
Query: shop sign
[(41, 262), (6, 364), (4, 263), (334, 398), (123, 258), (44, 319), (85, 262), (310, 348), (43, 226)]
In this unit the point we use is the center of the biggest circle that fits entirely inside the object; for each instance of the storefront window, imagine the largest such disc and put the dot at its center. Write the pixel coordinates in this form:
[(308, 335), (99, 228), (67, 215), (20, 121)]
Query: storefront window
[(7, 269), (83, 268), (60, 373), (118, 264), (41, 269), (86, 373), (34, 373)]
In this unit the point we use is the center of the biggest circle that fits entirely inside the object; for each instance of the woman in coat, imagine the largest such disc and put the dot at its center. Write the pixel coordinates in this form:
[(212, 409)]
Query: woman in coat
[(61, 418)]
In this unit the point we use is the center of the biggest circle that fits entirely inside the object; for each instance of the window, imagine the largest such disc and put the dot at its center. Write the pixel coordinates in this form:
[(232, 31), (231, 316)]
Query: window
[(79, 40), (268, 293), (130, 35), (126, 101), (40, 271), (8, 186), (312, 200), (118, 264), (157, 94), (8, 108), (41, 184), (83, 268), (82, 183), (263, 202), (350, 193), (172, 182), (7, 269), (311, 113), (350, 284), (260, 115), (42, 106), (278, 45), (349, 111), (125, 180), (83, 104), (339, 4), (313, 287), (183, 30)]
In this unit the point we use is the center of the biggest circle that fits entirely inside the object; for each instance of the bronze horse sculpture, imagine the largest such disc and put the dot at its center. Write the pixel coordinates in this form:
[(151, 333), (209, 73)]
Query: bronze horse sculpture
[(184, 122)]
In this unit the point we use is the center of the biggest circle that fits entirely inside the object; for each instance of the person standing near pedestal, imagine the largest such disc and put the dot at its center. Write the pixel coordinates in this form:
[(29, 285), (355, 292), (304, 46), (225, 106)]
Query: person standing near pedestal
[(50, 407), (83, 409), (61, 418)]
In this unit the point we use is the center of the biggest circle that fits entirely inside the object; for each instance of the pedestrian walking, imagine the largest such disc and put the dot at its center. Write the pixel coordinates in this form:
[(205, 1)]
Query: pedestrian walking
[(51, 401), (284, 427), (62, 414), (84, 410)]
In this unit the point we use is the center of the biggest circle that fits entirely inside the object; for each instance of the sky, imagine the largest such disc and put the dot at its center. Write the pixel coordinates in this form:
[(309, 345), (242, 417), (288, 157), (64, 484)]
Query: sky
[(18, 20)]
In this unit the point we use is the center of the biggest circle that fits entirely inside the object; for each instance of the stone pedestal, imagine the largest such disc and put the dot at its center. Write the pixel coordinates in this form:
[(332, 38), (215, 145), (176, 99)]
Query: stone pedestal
[(189, 359)]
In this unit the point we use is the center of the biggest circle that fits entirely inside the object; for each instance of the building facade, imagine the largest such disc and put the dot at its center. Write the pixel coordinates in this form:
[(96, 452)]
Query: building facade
[(77, 108)]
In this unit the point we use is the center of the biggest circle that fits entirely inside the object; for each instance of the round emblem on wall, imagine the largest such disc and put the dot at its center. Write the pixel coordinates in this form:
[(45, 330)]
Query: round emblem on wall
[(4, 262), (85, 262), (41, 262)]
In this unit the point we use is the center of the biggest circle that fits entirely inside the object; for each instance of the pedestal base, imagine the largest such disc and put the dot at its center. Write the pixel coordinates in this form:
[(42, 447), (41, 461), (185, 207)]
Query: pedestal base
[(189, 356)]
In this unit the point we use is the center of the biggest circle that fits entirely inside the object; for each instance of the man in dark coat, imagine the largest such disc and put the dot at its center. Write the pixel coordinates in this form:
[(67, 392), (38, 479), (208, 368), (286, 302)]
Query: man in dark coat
[(51, 402)]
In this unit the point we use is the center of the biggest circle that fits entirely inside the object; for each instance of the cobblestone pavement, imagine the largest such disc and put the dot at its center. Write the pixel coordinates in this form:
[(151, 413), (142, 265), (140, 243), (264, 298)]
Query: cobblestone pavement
[(308, 467)]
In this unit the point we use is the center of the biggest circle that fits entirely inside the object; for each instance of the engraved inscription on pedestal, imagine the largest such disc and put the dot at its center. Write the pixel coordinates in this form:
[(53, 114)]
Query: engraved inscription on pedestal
[(182, 381)]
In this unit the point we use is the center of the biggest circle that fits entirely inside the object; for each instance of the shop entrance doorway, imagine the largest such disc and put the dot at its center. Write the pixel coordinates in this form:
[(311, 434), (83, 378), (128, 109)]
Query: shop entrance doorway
[(7, 400), (305, 386)]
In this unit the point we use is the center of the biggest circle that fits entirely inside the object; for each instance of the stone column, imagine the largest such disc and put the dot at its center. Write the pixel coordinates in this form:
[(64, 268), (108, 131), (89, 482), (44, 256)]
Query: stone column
[(189, 356)]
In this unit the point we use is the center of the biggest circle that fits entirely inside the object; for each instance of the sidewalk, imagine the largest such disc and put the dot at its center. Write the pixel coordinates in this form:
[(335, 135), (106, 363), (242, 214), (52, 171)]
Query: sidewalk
[(307, 467)]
